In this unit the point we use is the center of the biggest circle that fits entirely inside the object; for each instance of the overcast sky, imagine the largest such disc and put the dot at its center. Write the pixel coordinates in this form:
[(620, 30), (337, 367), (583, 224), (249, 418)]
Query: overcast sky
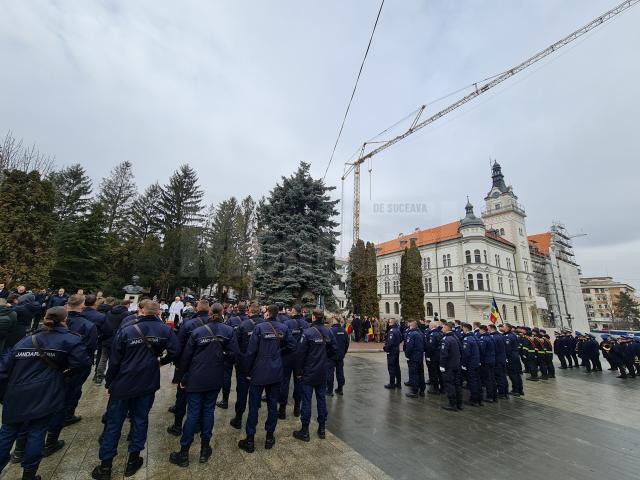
[(243, 91)]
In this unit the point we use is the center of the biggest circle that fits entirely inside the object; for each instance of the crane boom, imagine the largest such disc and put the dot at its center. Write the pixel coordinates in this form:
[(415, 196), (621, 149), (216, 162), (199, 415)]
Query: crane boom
[(479, 90)]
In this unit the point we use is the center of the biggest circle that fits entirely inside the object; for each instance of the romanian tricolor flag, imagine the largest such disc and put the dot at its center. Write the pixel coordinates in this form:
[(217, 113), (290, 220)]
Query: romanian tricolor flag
[(494, 311), (349, 329)]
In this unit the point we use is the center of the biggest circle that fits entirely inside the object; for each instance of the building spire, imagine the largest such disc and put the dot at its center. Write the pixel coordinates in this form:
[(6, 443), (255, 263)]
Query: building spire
[(498, 177)]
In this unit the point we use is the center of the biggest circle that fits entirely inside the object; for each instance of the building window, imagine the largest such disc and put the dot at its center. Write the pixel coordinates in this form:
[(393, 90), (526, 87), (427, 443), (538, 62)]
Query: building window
[(511, 286), (504, 312), (387, 289), (396, 286), (520, 231), (480, 281), (508, 264), (529, 291), (502, 232), (488, 286), (497, 260), (448, 284), (428, 285), (396, 308), (450, 310), (515, 313), (446, 260), (429, 309), (395, 268), (386, 307), (467, 256), (497, 206), (526, 266), (476, 256), (427, 263), (470, 281), (386, 269), (500, 285), (484, 253)]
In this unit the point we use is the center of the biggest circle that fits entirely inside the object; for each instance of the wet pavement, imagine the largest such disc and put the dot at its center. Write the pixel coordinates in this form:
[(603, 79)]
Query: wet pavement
[(578, 426)]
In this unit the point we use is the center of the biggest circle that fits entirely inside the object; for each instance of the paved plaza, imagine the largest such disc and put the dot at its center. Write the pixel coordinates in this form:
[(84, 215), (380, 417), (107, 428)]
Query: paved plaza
[(578, 426)]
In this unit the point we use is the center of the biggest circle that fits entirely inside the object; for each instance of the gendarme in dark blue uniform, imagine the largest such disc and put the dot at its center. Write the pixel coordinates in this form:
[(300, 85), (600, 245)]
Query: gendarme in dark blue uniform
[(297, 324), (514, 366), (450, 368), (487, 364), (414, 351), (132, 379), (500, 368), (392, 347), (471, 365), (33, 389), (336, 365), (234, 322)]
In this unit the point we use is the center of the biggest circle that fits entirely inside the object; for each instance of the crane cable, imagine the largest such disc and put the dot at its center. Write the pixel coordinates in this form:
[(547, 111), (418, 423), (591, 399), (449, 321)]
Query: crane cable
[(353, 93)]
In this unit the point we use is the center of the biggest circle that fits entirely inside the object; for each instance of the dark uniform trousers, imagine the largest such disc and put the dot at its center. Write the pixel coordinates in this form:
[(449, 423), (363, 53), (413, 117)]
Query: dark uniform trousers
[(336, 369), (563, 360), (74, 392), (435, 376), (201, 407), (532, 364), (321, 402), (488, 380), (226, 379), (35, 431), (542, 364), (500, 374), (514, 370), (255, 398), (551, 369), (393, 365), (416, 375), (242, 392), (475, 388), (452, 379), (287, 372), (181, 404), (116, 413)]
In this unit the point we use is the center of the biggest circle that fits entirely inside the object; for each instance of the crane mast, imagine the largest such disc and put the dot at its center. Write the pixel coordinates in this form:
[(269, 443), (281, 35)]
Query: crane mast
[(478, 90)]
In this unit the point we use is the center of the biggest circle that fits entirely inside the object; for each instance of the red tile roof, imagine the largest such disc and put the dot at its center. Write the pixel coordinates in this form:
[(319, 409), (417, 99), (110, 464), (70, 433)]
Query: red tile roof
[(542, 241), (428, 237)]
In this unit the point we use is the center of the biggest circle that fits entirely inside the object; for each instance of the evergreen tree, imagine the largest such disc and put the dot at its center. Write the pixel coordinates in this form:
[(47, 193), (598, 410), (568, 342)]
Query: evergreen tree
[(371, 302), (628, 309), (246, 238), (411, 287), (117, 195), (357, 275), (146, 216), (223, 242), (80, 246), (297, 241), (27, 229), (72, 188)]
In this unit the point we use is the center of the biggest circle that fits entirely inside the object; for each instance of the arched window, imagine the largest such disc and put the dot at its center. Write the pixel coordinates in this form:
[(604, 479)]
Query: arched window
[(488, 286), (480, 281), (467, 256), (429, 309), (470, 281), (504, 312), (396, 308), (515, 313), (451, 313), (428, 285), (476, 256), (386, 307)]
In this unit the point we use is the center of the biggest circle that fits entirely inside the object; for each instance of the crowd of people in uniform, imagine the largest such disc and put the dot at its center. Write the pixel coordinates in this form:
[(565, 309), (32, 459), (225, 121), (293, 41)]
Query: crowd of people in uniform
[(486, 358), (42, 375)]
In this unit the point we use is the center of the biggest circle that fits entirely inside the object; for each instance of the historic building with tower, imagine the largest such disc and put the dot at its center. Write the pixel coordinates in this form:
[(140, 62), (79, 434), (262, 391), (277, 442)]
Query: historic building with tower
[(469, 262)]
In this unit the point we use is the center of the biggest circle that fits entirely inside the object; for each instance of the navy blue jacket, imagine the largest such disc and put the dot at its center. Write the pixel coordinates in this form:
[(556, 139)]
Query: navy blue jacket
[(297, 324), (590, 349), (317, 346), (33, 388), (500, 348), (112, 323), (414, 345), (433, 344), (204, 358), (487, 350), (233, 321), (57, 300), (87, 330), (133, 369), (470, 351), (264, 353), (450, 352), (245, 330), (95, 317), (512, 351), (189, 325), (342, 340), (393, 340)]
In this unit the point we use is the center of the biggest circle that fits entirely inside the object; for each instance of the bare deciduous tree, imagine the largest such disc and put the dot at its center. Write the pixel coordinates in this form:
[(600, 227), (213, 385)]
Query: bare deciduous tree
[(14, 155)]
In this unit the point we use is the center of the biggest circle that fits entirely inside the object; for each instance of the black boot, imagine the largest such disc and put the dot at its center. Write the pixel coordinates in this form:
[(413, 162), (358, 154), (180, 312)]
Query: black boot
[(175, 429), (390, 386), (451, 408), (302, 434), (70, 420), (102, 471), (296, 409), (205, 453), (321, 431), (30, 474), (247, 444), (236, 422), (52, 444), (282, 412), (172, 409), (18, 451), (224, 403), (180, 458), (339, 391), (270, 441), (134, 463)]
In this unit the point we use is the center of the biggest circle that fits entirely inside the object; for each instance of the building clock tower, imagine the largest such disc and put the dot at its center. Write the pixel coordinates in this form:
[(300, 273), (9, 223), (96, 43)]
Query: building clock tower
[(506, 217)]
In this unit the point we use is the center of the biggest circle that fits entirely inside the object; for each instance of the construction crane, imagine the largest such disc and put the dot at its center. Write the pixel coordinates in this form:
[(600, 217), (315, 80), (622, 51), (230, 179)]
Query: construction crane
[(479, 89)]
